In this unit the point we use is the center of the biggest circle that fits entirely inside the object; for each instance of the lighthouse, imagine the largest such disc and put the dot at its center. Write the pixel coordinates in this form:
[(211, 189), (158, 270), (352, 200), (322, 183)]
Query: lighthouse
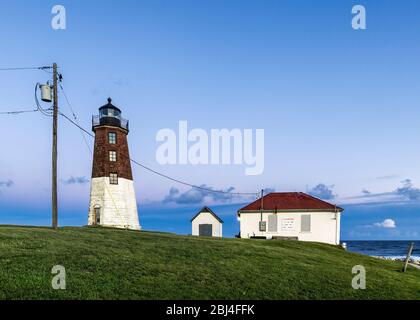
[(112, 196)]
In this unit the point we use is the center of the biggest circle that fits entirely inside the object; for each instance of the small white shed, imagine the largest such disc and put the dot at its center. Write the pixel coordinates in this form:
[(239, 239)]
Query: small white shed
[(206, 224)]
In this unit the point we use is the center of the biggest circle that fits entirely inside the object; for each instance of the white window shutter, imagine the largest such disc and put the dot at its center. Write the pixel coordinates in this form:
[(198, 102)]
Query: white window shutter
[(272, 223), (305, 223)]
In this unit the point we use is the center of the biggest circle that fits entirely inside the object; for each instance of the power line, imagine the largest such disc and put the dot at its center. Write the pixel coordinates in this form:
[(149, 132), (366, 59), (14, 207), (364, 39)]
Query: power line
[(77, 125), (75, 122), (159, 173), (75, 118), (192, 185), (39, 107), (164, 175), (17, 112), (24, 68)]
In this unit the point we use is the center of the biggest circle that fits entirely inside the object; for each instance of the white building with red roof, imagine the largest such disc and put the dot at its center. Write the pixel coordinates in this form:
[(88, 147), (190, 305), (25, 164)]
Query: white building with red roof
[(291, 215)]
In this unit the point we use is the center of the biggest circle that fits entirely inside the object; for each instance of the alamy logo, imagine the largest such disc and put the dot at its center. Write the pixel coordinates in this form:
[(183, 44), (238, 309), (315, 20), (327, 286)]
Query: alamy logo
[(59, 280), (58, 22), (359, 20), (359, 280), (220, 146)]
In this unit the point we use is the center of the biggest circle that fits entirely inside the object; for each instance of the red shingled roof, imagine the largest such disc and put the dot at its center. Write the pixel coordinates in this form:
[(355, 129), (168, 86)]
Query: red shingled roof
[(290, 201)]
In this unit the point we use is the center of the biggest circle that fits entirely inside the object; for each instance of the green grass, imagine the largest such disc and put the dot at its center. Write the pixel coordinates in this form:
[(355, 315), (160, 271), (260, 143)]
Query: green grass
[(117, 264)]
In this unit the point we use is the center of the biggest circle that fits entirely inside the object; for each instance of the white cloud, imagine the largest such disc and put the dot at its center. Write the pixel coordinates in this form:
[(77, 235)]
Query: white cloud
[(6, 184), (76, 180), (323, 192), (406, 193), (198, 196), (387, 223)]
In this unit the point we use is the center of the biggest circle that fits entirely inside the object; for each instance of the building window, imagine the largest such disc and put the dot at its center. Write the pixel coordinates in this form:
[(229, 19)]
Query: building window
[(305, 225), (113, 178), (113, 156), (112, 138)]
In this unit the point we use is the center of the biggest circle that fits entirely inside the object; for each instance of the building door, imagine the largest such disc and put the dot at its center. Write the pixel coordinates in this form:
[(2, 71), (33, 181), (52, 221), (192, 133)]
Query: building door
[(97, 216), (205, 230)]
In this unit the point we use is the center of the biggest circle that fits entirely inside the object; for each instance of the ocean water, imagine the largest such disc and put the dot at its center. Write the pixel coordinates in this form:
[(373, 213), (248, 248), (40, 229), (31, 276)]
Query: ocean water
[(388, 249)]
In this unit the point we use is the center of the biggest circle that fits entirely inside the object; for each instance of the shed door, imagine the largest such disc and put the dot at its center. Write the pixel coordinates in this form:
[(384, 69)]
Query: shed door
[(205, 230)]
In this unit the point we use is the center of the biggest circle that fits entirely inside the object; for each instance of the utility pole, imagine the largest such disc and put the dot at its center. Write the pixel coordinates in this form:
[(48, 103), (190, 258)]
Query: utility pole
[(407, 260), (263, 227), (54, 151), (262, 199)]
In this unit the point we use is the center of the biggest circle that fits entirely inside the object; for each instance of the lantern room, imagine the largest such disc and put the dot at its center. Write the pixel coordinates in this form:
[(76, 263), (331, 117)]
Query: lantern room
[(109, 115)]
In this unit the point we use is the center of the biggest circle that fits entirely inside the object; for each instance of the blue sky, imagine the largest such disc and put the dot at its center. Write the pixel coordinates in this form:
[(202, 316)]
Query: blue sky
[(339, 107)]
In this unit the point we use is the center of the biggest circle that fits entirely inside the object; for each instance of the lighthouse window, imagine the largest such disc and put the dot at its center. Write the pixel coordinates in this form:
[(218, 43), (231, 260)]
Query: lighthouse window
[(113, 178), (113, 156), (112, 138)]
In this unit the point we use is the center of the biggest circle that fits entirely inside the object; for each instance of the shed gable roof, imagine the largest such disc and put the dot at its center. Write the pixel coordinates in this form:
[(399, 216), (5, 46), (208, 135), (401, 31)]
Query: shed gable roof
[(207, 209), (279, 201)]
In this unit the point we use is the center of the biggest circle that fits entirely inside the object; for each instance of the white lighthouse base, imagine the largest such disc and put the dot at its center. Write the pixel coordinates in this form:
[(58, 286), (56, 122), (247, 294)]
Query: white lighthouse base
[(113, 205)]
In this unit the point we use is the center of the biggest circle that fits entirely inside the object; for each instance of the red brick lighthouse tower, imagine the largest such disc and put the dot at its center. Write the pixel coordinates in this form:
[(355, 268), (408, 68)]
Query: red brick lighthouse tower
[(112, 197)]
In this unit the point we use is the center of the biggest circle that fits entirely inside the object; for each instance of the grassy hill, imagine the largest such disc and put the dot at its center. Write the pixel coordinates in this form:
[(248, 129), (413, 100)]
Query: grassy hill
[(117, 264)]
